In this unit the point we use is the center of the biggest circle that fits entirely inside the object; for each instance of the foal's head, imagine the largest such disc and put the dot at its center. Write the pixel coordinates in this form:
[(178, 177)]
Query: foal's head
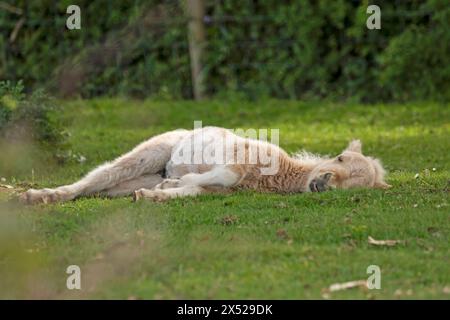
[(350, 169)]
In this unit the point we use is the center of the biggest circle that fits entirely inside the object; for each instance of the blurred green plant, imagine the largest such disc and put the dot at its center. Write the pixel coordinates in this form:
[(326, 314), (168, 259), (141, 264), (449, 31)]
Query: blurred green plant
[(30, 118), (416, 63)]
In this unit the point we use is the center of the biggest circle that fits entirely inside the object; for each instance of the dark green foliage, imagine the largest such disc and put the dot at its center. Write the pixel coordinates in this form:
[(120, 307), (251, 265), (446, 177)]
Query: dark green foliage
[(9, 95), (416, 64), (323, 49), (123, 47), (30, 118), (285, 49)]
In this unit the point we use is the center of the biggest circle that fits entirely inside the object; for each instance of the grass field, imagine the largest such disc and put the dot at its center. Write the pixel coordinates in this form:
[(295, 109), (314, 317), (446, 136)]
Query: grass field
[(244, 245)]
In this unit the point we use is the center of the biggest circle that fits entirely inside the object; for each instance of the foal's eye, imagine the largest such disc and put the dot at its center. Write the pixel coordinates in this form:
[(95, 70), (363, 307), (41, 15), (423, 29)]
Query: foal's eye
[(340, 159)]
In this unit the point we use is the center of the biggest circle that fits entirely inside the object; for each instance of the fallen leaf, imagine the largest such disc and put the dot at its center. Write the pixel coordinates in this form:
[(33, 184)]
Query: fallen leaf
[(81, 159), (347, 285), (99, 256), (326, 295), (140, 233), (6, 188), (389, 243), (229, 220), (400, 292), (281, 205), (433, 230), (282, 234)]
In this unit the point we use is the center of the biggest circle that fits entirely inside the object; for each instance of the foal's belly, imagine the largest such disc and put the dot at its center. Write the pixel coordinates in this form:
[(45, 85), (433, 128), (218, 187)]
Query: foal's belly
[(178, 170), (188, 155)]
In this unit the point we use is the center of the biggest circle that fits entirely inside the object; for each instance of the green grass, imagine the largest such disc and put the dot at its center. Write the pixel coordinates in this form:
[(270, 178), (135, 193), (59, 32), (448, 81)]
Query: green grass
[(244, 245)]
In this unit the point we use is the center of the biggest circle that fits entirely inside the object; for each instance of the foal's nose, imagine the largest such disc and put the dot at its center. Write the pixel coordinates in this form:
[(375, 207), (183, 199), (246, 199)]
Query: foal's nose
[(319, 184)]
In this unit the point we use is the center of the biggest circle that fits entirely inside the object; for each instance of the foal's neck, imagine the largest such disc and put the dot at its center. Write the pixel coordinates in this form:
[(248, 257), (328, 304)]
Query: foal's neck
[(294, 174)]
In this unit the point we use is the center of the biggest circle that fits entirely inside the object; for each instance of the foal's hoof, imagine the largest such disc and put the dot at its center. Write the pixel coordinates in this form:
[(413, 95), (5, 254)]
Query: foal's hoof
[(168, 183), (45, 196), (137, 195), (155, 195)]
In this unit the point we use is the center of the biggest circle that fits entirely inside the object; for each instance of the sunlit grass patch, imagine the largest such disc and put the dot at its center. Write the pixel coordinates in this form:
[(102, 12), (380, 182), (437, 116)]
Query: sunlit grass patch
[(247, 245)]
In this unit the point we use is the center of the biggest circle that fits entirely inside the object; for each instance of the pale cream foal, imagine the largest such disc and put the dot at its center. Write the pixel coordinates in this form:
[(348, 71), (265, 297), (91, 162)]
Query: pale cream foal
[(191, 162)]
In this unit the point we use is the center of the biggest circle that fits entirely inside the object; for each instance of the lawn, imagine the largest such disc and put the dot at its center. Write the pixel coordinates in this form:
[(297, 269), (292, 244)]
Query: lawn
[(244, 245)]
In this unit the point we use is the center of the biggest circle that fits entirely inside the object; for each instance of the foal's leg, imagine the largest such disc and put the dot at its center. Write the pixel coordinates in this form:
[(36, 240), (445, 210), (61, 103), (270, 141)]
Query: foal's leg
[(220, 179), (149, 157), (166, 194), (222, 176), (127, 188)]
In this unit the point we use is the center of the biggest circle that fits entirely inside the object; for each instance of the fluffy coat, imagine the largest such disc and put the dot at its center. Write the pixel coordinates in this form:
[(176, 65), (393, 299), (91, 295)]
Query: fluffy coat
[(243, 165)]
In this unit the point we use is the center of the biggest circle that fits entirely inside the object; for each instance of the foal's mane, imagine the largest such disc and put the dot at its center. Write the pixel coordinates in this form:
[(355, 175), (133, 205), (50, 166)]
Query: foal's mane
[(308, 157)]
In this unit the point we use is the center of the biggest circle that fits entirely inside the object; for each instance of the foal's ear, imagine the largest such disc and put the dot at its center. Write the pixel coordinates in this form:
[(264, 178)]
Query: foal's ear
[(355, 146), (379, 174)]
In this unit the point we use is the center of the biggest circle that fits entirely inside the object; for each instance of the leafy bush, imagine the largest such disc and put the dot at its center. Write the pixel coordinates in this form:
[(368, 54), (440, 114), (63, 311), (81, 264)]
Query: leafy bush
[(286, 49), (10, 96), (303, 49), (416, 64), (30, 118)]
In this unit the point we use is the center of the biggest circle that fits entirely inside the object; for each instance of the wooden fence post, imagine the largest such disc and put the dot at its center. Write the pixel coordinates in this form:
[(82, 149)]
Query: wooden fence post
[(195, 13)]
